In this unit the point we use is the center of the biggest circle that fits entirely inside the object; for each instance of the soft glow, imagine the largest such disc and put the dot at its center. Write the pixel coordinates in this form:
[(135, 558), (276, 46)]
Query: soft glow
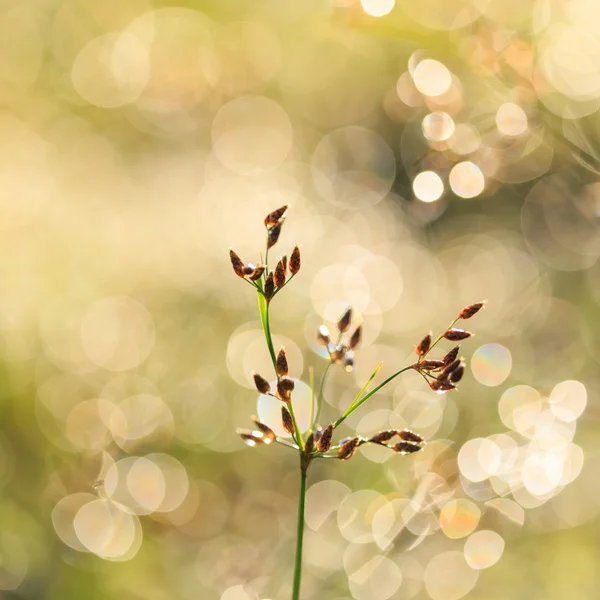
[(428, 186), (431, 77), (458, 518), (483, 549), (449, 577), (437, 126), (269, 408), (511, 119), (466, 180), (568, 400), (377, 8), (491, 364)]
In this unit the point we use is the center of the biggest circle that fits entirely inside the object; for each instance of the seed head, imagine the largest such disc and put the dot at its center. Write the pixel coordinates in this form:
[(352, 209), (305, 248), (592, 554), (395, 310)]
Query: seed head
[(274, 233), (455, 335), (468, 311), (406, 448), (295, 262), (422, 348), (356, 337), (282, 364), (457, 374), (262, 385), (383, 436), (273, 217), (257, 273), (279, 276), (286, 420), (249, 437), (284, 261), (441, 387), (406, 435), (237, 264), (344, 321), (285, 386), (323, 335), (430, 365), (349, 361), (324, 442), (338, 354), (309, 445), (348, 449), (451, 355), (443, 376), (268, 433), (269, 287)]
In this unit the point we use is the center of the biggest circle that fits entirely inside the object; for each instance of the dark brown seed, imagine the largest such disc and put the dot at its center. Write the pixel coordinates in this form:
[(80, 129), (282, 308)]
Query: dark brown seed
[(344, 321), (257, 273), (309, 445), (455, 335), (323, 335), (249, 269), (268, 433), (430, 365), (349, 362), (383, 436), (295, 260), (279, 276), (262, 385), (348, 449), (457, 374), (318, 432), (406, 448), (287, 384), (451, 355), (274, 233), (282, 364), (406, 435), (356, 337), (441, 387), (422, 348), (284, 261), (324, 442), (338, 354), (282, 393), (237, 264), (443, 376), (286, 420), (468, 311), (269, 286), (273, 217), (249, 437)]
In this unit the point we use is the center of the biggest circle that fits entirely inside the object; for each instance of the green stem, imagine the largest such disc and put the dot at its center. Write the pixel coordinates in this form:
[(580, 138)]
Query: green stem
[(321, 392), (300, 532), (439, 337)]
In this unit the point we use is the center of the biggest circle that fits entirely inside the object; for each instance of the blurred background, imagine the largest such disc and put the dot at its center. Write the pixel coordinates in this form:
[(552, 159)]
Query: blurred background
[(433, 154)]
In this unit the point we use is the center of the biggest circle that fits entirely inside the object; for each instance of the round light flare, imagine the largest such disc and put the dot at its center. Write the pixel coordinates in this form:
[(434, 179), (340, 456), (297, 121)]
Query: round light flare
[(511, 119), (428, 186), (63, 515), (269, 408), (568, 400), (491, 364), (449, 577), (146, 484), (377, 8), (520, 408), (459, 518), (542, 472), (432, 78), (466, 179), (438, 126), (483, 549), (356, 513), (322, 500), (479, 458), (379, 578)]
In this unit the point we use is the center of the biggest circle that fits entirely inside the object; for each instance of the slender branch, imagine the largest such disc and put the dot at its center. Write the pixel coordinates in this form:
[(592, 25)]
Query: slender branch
[(300, 530), (322, 390), (311, 383), (439, 337), (285, 443)]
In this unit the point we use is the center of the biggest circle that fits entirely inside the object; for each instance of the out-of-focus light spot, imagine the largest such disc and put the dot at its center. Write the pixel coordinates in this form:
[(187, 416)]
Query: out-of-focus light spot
[(542, 472), (380, 578), (251, 134), (465, 139), (479, 458), (387, 522), (117, 333), (323, 499), (437, 126), (353, 167), (458, 518), (431, 77), (236, 592), (519, 408), (269, 408), (62, 518), (508, 508), (111, 71), (85, 428), (355, 515), (377, 8), (466, 180), (176, 481), (568, 400), (146, 484), (407, 92), (449, 577), (491, 364), (511, 119), (483, 549), (335, 287), (428, 186)]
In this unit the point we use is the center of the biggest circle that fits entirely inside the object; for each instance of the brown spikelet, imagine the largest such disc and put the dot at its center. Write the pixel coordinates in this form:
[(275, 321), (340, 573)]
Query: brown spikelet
[(443, 376), (282, 364), (268, 433), (457, 374), (279, 276), (406, 435), (383, 436), (455, 335), (344, 321), (249, 269), (430, 365), (348, 449), (273, 217), (422, 348), (451, 355), (249, 437), (356, 337), (269, 287), (295, 261), (323, 335), (286, 420), (324, 442), (284, 261), (262, 385), (285, 387), (338, 354), (309, 445), (257, 273), (274, 233), (468, 311), (237, 264), (441, 387), (406, 448)]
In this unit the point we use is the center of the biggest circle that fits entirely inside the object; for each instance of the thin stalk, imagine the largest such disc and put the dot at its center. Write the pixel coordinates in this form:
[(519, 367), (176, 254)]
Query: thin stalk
[(300, 530), (439, 337), (311, 383), (322, 390)]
